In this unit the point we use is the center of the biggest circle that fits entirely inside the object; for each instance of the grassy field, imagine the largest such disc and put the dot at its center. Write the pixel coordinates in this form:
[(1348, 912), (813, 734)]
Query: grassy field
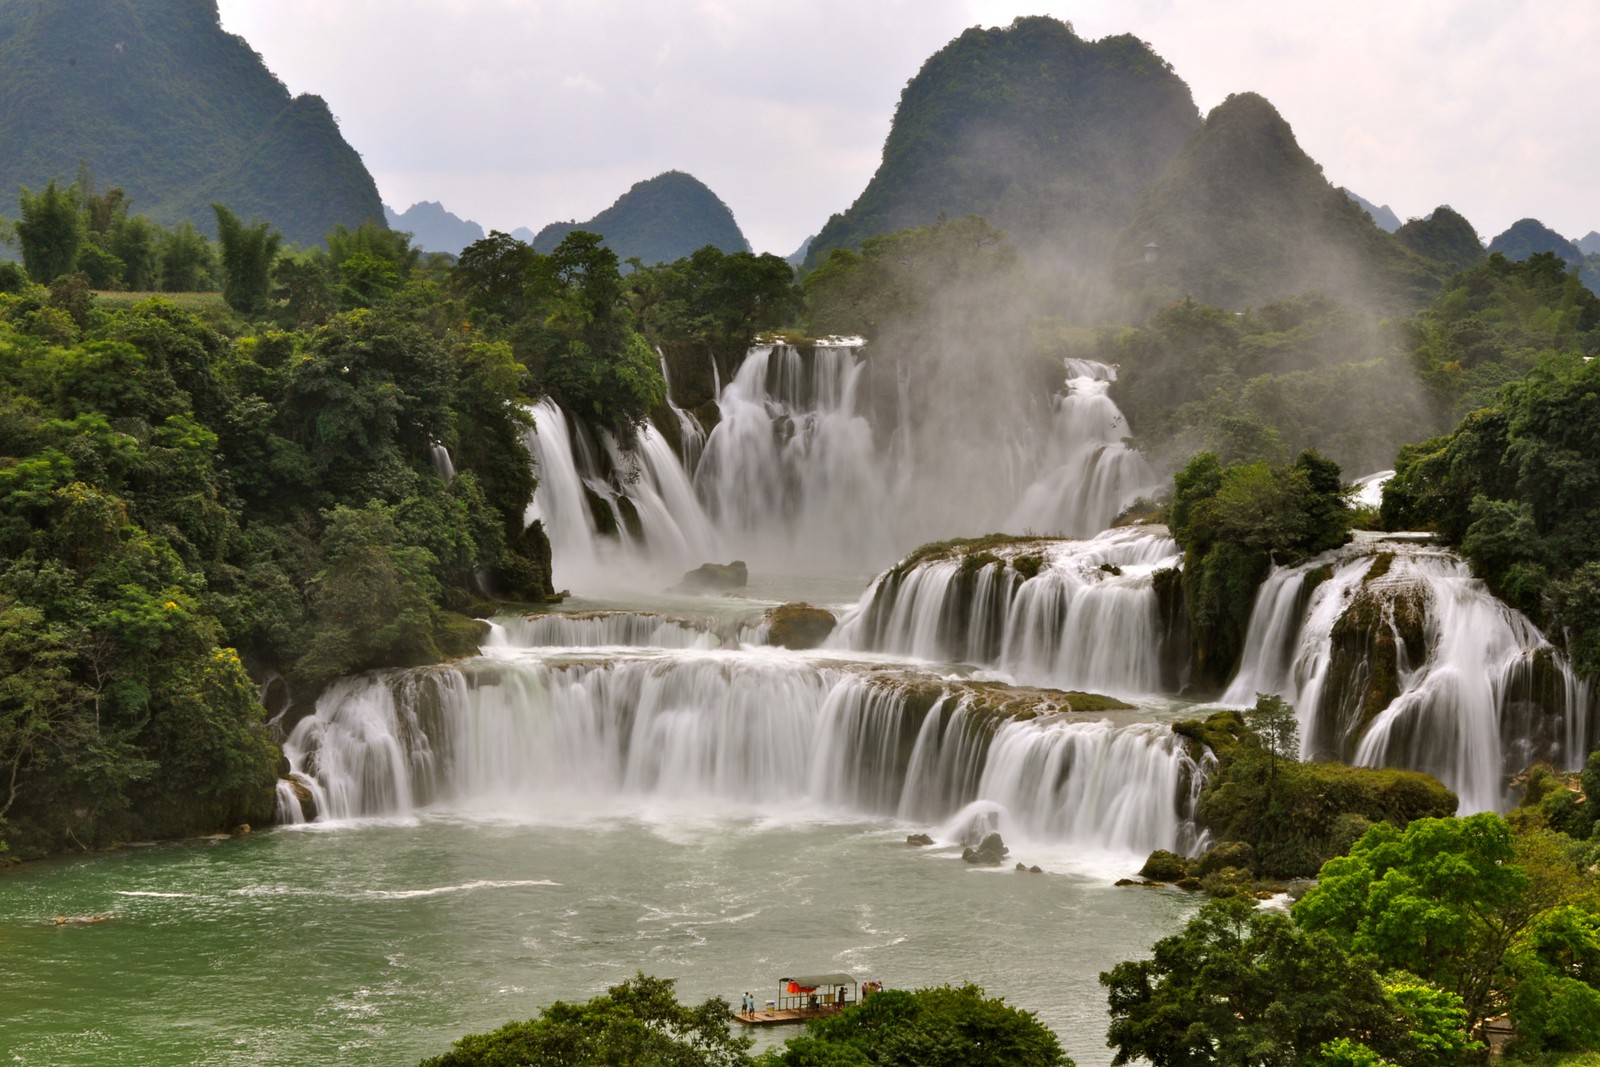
[(209, 303)]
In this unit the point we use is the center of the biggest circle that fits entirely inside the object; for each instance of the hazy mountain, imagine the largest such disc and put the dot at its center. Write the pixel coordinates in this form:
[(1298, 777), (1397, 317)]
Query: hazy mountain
[(1243, 217), (1384, 216), (1444, 236), (1589, 243), (798, 256), (432, 228), (659, 220), (157, 98), (523, 234), (1046, 135), (1527, 236)]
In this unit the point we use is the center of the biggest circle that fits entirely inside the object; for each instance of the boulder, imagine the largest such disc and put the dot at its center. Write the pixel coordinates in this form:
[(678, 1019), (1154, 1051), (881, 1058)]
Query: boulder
[(991, 852), (714, 577), (919, 840), (1236, 854), (799, 626)]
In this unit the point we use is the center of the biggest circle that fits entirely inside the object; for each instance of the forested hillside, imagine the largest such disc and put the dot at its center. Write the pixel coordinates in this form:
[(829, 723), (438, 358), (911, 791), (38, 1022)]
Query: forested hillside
[(180, 112), (1045, 135), (657, 221), (1243, 217)]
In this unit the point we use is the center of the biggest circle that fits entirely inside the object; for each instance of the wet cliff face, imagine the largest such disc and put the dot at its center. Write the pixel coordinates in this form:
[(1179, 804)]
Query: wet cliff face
[(1381, 635)]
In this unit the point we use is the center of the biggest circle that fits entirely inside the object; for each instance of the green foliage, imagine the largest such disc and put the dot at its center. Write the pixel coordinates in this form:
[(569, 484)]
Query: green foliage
[(50, 232), (1496, 323), (248, 254), (1265, 384), (1234, 523), (1516, 487), (639, 1023), (1246, 987), (1296, 816), (184, 112), (710, 304), (660, 220), (1444, 237), (946, 1026), (170, 494), (1047, 135), (1445, 899)]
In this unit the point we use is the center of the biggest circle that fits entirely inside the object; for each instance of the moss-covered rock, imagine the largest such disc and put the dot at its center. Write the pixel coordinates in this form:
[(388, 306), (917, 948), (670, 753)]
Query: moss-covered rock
[(1164, 866), (799, 626)]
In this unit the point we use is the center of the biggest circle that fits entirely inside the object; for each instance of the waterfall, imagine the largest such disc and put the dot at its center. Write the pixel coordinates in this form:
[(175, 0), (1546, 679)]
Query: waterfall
[(656, 527), (1087, 618), (603, 629), (1394, 655), (442, 463), (792, 474), (763, 732), (797, 477), (1088, 475)]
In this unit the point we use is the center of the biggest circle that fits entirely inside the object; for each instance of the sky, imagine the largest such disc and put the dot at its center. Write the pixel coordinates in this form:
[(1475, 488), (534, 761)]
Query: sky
[(522, 112)]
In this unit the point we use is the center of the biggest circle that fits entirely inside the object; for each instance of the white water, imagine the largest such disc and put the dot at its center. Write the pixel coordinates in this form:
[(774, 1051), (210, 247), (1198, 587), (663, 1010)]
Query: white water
[(1089, 475), (796, 477), (535, 736), (1088, 620), (1463, 712)]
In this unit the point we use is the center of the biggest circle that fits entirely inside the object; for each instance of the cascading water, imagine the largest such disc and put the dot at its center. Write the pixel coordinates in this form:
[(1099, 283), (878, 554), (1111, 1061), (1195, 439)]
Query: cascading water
[(791, 456), (1068, 614), (1088, 474), (797, 478), (756, 731), (1394, 655)]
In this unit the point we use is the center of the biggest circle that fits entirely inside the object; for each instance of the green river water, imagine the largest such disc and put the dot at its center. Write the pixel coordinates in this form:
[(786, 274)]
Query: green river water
[(381, 943)]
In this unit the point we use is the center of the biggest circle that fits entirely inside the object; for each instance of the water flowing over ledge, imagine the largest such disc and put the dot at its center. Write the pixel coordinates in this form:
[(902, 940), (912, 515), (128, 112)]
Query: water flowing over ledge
[(1395, 656), (1068, 614), (765, 732), (804, 472)]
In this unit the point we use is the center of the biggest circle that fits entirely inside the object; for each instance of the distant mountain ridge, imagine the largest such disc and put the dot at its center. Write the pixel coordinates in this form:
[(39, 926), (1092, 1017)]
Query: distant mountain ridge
[(432, 228), (1048, 136), (659, 220), (1383, 214), (159, 99)]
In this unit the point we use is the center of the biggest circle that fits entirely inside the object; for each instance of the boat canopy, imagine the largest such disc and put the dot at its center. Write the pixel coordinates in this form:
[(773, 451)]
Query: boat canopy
[(815, 981)]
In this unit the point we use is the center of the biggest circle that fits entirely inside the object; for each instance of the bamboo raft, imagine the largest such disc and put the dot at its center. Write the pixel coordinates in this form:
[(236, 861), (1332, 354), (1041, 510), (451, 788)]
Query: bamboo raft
[(802, 999)]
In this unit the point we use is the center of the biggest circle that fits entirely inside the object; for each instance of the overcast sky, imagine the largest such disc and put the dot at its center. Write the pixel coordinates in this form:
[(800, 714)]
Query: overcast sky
[(522, 112)]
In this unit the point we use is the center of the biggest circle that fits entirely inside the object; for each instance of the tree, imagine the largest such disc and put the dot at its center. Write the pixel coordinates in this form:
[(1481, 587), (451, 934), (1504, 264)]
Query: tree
[(492, 275), (639, 1023), (248, 254), (1445, 899), (947, 1026), (50, 232), (1243, 987), (579, 338), (1273, 722), (187, 260)]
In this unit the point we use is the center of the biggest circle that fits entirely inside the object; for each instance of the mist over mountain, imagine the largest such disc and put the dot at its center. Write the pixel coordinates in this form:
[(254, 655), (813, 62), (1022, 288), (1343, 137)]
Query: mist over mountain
[(1444, 236), (1243, 217), (658, 220), (1383, 215), (1046, 135), (432, 228), (159, 99)]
